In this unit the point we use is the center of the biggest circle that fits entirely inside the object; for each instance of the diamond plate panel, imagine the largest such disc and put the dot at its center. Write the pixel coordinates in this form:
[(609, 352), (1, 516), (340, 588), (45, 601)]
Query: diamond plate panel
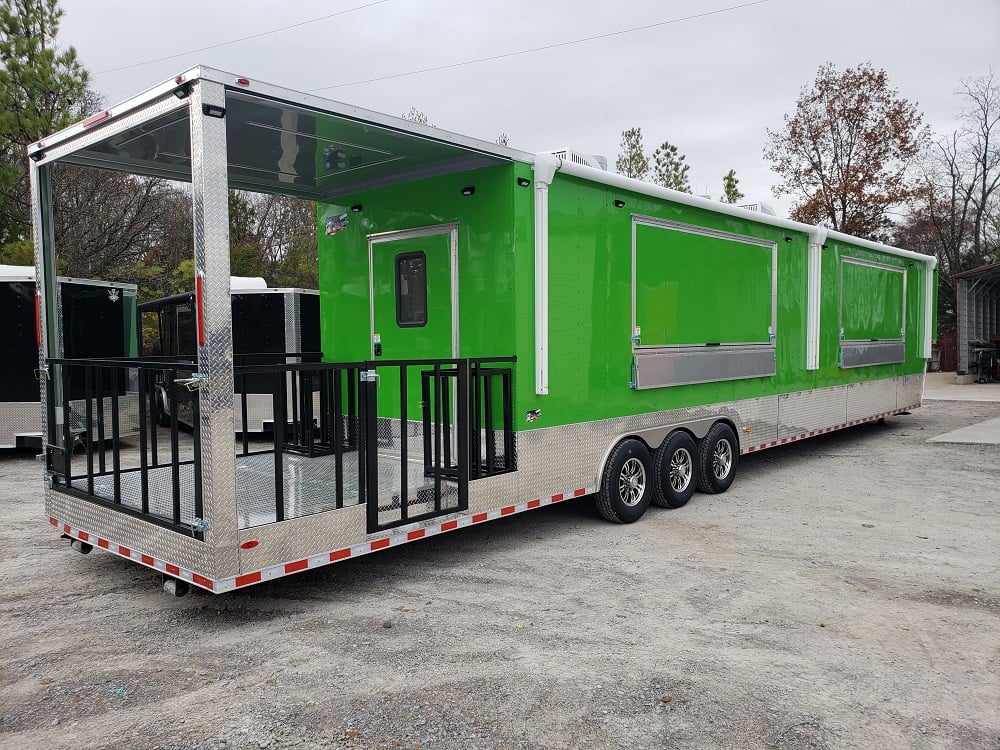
[(300, 538), (293, 325), (132, 532), (19, 418), (806, 411), (909, 390), (869, 398), (209, 189)]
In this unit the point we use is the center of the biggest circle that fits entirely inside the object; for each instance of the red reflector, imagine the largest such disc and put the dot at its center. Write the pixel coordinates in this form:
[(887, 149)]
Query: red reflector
[(243, 81), (90, 121), (179, 79), (248, 579), (249, 544), (199, 294), (38, 320)]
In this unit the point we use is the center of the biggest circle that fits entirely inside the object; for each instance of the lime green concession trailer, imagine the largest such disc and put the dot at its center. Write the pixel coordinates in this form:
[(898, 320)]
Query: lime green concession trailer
[(500, 331)]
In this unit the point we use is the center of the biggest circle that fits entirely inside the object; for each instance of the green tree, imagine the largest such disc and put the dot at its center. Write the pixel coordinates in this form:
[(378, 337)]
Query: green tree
[(954, 214), (631, 161), (845, 154), (669, 169), (730, 188), (40, 89)]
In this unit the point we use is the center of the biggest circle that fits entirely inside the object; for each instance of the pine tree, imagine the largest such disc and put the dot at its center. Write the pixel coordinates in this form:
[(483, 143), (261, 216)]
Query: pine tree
[(631, 161), (669, 169), (730, 188), (41, 90)]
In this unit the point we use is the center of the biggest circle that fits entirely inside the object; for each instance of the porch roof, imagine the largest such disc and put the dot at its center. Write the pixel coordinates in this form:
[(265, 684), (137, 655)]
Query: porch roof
[(278, 140)]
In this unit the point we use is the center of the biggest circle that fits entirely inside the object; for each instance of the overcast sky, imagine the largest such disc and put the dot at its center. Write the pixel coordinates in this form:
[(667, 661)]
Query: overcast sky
[(711, 85)]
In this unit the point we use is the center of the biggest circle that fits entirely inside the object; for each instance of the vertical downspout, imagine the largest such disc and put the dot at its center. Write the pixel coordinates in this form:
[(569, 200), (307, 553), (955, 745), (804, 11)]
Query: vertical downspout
[(817, 237), (545, 167), (929, 280)]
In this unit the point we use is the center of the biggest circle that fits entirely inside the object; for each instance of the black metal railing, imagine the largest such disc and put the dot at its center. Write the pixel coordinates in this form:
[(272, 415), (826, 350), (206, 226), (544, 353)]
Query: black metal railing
[(315, 409), (491, 415), (403, 437), (92, 405)]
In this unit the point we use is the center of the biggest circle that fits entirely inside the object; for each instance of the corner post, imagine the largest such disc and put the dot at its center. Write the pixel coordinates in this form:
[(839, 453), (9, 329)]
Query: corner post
[(210, 210)]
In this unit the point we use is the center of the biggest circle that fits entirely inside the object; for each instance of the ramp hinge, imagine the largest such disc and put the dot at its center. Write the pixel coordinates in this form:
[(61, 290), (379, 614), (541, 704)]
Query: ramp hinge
[(200, 524), (193, 383)]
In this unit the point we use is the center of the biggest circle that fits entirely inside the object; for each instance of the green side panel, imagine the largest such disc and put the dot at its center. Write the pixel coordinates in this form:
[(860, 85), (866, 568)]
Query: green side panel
[(131, 322), (698, 289), (871, 301), (720, 293), (494, 256)]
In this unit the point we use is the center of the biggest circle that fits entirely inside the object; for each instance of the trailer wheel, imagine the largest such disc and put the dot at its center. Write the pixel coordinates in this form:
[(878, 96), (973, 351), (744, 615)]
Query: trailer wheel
[(718, 453), (162, 418), (626, 487), (674, 470)]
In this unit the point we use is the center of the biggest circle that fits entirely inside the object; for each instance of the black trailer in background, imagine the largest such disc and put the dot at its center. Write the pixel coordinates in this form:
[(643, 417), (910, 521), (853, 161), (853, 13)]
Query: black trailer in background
[(97, 320), (271, 326)]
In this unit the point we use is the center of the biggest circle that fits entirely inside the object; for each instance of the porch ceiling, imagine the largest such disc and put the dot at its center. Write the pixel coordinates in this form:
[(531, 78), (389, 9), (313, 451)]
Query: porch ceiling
[(278, 146)]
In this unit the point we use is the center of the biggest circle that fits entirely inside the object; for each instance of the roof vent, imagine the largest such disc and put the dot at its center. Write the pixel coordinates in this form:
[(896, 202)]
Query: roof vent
[(760, 207), (595, 161)]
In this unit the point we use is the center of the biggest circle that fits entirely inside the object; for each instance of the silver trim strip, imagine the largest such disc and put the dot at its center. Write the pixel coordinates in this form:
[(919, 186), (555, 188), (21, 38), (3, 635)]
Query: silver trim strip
[(670, 366), (865, 353)]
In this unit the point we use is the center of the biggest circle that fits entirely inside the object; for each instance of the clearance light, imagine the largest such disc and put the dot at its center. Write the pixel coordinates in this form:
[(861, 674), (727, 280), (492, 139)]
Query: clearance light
[(38, 320), (199, 296), (619, 203), (243, 81), (470, 190), (100, 117)]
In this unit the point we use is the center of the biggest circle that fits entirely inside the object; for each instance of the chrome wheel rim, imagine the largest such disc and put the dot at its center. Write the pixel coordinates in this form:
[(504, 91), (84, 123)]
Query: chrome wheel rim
[(681, 468), (632, 482), (722, 459)]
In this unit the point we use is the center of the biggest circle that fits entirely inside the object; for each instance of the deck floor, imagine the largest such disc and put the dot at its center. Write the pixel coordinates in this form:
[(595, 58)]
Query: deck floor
[(308, 488)]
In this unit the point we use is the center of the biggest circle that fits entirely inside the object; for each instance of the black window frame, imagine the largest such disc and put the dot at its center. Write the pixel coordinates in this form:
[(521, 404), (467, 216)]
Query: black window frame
[(398, 261)]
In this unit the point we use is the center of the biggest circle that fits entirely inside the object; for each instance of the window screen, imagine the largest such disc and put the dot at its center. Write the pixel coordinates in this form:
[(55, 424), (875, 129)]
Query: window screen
[(871, 301), (411, 290), (693, 288)]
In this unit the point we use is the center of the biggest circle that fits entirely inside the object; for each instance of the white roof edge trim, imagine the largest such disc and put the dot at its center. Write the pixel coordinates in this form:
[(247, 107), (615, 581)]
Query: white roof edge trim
[(291, 96), (17, 273), (645, 188), (247, 282)]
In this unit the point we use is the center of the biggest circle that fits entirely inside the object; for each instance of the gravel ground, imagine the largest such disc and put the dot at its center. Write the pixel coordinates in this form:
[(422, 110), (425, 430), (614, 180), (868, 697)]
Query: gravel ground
[(845, 593)]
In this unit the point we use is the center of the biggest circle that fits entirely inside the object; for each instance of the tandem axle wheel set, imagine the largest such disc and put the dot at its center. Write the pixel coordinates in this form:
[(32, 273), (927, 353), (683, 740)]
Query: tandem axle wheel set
[(634, 476)]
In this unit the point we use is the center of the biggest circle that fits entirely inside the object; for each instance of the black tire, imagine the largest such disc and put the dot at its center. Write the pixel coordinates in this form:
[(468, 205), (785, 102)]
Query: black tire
[(626, 486), (162, 418), (674, 470), (718, 454)]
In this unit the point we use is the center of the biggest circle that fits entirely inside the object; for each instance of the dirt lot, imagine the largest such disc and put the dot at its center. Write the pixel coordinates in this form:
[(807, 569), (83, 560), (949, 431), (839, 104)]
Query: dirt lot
[(845, 593)]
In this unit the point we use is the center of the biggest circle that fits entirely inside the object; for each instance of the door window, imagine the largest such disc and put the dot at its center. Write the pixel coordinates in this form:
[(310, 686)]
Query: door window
[(411, 290)]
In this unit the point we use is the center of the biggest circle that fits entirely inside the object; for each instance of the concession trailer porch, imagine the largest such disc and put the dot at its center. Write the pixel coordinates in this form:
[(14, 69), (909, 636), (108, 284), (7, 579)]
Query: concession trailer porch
[(499, 330)]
